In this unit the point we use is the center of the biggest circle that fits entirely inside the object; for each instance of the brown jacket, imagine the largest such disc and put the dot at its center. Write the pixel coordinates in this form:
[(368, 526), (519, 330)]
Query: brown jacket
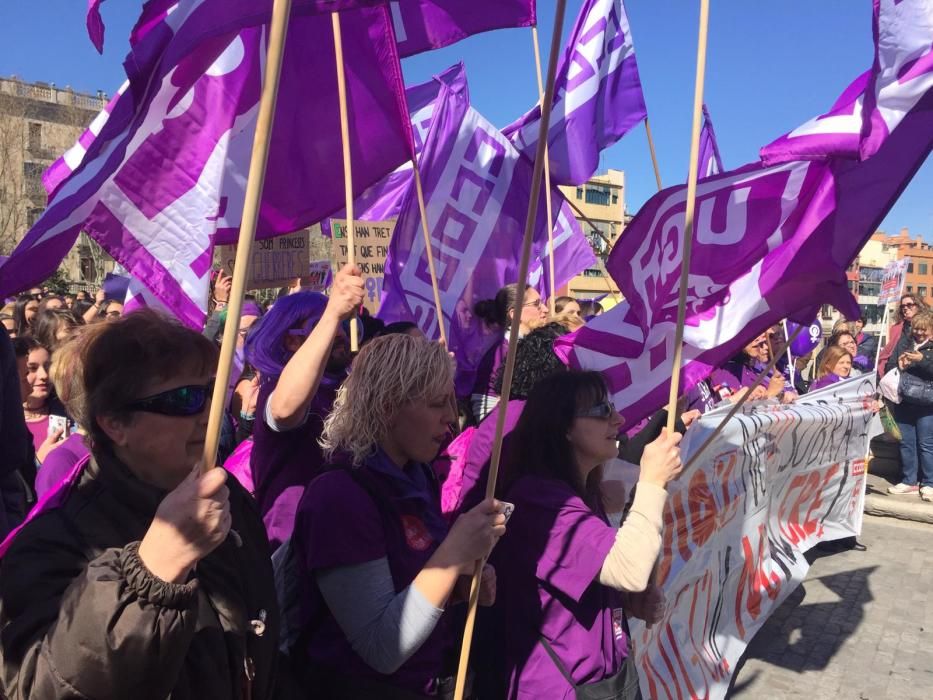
[(82, 617)]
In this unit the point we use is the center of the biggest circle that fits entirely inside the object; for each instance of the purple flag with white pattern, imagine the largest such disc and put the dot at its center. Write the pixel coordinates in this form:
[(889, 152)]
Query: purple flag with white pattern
[(476, 188), (165, 177), (597, 95), (709, 162)]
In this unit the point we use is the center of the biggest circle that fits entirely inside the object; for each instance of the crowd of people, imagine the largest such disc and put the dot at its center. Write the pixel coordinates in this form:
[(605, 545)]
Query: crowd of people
[(332, 556)]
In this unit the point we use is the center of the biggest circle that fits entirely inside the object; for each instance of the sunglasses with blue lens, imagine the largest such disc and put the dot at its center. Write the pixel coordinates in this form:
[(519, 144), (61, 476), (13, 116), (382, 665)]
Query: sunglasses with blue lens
[(180, 401), (601, 410)]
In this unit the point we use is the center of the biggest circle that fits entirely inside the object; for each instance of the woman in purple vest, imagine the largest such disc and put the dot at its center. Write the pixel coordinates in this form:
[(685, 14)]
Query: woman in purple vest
[(301, 352), (566, 578), (377, 561)]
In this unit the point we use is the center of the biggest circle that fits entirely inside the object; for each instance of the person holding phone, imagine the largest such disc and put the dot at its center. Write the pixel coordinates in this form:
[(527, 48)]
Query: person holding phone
[(566, 577), (914, 356), (33, 361), (378, 564)]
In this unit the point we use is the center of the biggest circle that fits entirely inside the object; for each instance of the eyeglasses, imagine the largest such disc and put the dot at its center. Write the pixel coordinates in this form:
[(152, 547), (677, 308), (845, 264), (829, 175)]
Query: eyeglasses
[(180, 401), (908, 305), (601, 410), (537, 302)]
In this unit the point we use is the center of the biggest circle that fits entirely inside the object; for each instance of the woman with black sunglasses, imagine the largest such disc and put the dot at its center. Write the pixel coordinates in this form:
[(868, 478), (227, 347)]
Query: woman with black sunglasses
[(908, 307), (565, 577), (124, 583)]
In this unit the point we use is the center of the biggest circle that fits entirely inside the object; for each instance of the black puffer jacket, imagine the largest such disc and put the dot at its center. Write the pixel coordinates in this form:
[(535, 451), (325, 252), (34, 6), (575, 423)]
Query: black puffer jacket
[(82, 617), (922, 369)]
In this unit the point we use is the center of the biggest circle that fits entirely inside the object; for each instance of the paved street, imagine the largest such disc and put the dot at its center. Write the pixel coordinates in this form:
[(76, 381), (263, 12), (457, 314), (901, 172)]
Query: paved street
[(860, 627)]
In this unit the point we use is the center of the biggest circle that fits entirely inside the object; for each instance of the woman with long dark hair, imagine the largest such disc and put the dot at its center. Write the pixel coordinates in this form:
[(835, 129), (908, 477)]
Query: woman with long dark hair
[(24, 313), (565, 576)]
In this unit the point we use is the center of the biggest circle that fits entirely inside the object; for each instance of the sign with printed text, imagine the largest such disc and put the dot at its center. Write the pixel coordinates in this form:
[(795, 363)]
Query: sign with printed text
[(371, 246), (319, 275), (892, 281), (274, 262), (775, 482)]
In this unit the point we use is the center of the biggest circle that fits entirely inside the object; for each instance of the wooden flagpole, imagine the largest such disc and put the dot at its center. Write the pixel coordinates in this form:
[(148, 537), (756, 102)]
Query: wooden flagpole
[(536, 180), (741, 402), (552, 292), (347, 167), (597, 232), (654, 156), (278, 29), (429, 251), (688, 215), (790, 357)]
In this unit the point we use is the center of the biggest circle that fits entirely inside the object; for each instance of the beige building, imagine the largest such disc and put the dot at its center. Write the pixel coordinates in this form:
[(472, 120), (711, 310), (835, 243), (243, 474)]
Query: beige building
[(599, 206), (38, 123)]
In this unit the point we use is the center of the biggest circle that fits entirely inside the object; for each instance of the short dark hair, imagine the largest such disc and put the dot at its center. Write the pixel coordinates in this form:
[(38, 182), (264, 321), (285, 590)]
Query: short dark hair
[(106, 366), (496, 311), (538, 446)]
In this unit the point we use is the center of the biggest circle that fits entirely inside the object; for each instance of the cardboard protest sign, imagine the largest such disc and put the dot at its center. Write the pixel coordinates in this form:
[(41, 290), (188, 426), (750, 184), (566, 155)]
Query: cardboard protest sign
[(372, 246), (776, 481), (319, 276), (275, 262)]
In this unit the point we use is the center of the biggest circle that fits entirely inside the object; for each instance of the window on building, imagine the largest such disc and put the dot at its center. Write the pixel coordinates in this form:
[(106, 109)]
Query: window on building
[(869, 289), (922, 268), (827, 312), (922, 291), (910, 267), (592, 272), (596, 194), (615, 199), (579, 193), (35, 136), (33, 171), (910, 288)]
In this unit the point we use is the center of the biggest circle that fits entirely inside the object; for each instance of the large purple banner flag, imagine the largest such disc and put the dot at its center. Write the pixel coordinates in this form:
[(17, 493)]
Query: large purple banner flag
[(476, 188), (164, 178), (597, 95), (771, 241)]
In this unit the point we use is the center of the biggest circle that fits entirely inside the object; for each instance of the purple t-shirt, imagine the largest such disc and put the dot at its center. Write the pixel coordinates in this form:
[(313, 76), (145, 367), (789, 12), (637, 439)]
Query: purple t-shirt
[(60, 462), (825, 381), (556, 546), (283, 464), (736, 375), (339, 524)]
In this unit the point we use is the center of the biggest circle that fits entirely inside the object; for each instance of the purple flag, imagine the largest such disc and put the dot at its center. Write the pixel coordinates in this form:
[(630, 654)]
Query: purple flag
[(770, 242), (597, 95), (875, 103), (708, 160), (95, 25), (422, 25), (165, 177), (903, 68), (477, 188)]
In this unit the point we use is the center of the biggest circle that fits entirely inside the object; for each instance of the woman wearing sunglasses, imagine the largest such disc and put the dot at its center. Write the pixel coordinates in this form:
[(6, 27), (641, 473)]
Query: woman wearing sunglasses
[(377, 562), (736, 376), (301, 352), (497, 313), (565, 577), (124, 583), (907, 308)]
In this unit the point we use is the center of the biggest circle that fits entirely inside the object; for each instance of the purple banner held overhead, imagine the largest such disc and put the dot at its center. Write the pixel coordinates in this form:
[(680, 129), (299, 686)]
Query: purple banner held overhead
[(597, 95), (709, 162), (476, 188), (164, 177)]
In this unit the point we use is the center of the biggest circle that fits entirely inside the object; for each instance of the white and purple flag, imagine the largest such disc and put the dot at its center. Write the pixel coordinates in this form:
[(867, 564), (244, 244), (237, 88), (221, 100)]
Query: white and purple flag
[(597, 95), (165, 178), (876, 101), (709, 162), (477, 188), (769, 242)]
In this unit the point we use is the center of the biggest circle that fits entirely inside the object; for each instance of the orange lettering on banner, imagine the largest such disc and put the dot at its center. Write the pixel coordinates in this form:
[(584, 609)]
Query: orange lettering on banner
[(702, 509), (755, 579)]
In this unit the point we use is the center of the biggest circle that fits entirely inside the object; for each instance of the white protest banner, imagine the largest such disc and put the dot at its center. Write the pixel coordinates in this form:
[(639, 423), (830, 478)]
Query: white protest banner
[(892, 281), (775, 482), (275, 262), (372, 246)]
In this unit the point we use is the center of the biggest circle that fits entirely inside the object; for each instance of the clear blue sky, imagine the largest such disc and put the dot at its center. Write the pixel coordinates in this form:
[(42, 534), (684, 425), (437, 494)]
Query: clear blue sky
[(771, 66)]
